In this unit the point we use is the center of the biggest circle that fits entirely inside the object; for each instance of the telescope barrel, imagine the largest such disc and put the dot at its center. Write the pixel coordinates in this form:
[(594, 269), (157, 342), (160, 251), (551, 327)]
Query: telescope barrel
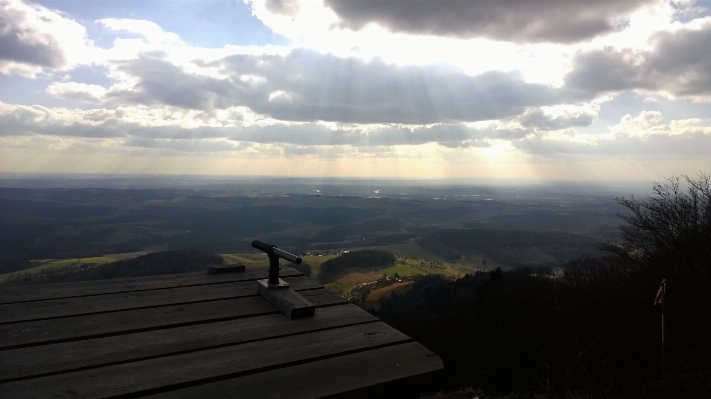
[(266, 247), (260, 245), (285, 255)]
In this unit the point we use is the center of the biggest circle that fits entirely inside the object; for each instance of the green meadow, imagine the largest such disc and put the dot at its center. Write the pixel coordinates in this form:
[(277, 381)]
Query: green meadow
[(58, 265)]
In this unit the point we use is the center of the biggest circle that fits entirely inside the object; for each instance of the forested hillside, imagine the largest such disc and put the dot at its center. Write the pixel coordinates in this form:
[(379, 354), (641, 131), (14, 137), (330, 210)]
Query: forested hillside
[(591, 331), (512, 247)]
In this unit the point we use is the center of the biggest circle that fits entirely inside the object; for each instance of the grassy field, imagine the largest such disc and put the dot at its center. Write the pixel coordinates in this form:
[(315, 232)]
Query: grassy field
[(417, 261), (413, 251), (358, 277), (406, 270), (54, 265), (316, 261), (373, 298)]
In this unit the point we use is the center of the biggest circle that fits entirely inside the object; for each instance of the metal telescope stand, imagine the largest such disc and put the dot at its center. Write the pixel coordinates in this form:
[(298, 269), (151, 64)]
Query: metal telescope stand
[(276, 290)]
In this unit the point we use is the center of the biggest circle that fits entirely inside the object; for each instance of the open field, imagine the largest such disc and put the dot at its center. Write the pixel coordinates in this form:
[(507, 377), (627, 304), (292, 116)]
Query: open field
[(56, 265), (316, 261), (406, 270), (358, 277), (372, 301), (338, 288), (413, 250), (407, 266)]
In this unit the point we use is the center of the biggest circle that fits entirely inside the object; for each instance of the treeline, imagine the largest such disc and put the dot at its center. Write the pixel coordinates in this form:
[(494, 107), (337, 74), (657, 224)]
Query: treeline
[(365, 259), (374, 241), (156, 263), (511, 247), (591, 332)]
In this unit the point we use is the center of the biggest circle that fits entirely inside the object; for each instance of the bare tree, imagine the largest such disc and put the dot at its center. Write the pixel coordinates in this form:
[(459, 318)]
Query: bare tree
[(676, 218)]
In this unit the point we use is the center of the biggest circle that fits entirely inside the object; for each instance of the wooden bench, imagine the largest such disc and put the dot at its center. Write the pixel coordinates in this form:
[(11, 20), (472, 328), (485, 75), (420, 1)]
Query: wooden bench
[(198, 335)]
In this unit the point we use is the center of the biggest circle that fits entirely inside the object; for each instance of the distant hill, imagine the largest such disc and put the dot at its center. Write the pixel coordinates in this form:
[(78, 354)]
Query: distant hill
[(165, 262), (514, 248)]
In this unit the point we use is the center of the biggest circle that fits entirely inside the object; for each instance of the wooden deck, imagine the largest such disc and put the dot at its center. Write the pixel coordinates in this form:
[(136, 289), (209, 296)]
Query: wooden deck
[(197, 335)]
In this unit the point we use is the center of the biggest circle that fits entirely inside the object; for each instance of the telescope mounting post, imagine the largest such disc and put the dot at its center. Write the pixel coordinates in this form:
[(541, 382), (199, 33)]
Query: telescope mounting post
[(274, 281), (276, 290)]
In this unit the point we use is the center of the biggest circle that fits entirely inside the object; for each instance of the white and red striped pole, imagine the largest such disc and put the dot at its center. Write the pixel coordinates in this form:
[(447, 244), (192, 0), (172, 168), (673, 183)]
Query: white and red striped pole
[(660, 299)]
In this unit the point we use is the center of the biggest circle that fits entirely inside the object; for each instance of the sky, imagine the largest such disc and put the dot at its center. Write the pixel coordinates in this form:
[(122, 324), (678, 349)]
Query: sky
[(411, 89)]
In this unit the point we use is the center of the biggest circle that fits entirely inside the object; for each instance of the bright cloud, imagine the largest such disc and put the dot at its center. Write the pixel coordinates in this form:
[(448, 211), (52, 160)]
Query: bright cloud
[(33, 38)]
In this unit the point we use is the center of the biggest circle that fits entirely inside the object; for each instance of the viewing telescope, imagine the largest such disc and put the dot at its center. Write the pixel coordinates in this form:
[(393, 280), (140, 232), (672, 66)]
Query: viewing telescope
[(274, 253)]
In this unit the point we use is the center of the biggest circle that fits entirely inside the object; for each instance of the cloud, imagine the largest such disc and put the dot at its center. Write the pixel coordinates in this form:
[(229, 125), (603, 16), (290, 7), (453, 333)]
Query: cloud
[(324, 87), (649, 123), (644, 135), (77, 91), (691, 144), (188, 145), (175, 124), (283, 7), (26, 38), (644, 122), (523, 21), (150, 31), (678, 64), (29, 41), (308, 134), (559, 117)]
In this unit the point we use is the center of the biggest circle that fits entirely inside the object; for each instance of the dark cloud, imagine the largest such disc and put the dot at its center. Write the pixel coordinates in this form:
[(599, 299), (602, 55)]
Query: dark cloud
[(308, 86), (283, 7), (164, 83), (23, 121), (542, 121), (21, 42), (560, 21), (184, 145), (679, 63)]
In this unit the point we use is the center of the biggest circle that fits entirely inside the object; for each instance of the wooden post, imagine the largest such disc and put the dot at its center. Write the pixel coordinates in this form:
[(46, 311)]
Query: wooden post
[(664, 299), (657, 300)]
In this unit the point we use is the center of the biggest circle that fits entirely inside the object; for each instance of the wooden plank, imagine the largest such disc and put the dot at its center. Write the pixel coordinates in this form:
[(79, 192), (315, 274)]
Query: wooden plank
[(319, 300), (182, 371), (74, 306), (100, 287), (226, 269), (49, 331), (77, 355), (374, 373)]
